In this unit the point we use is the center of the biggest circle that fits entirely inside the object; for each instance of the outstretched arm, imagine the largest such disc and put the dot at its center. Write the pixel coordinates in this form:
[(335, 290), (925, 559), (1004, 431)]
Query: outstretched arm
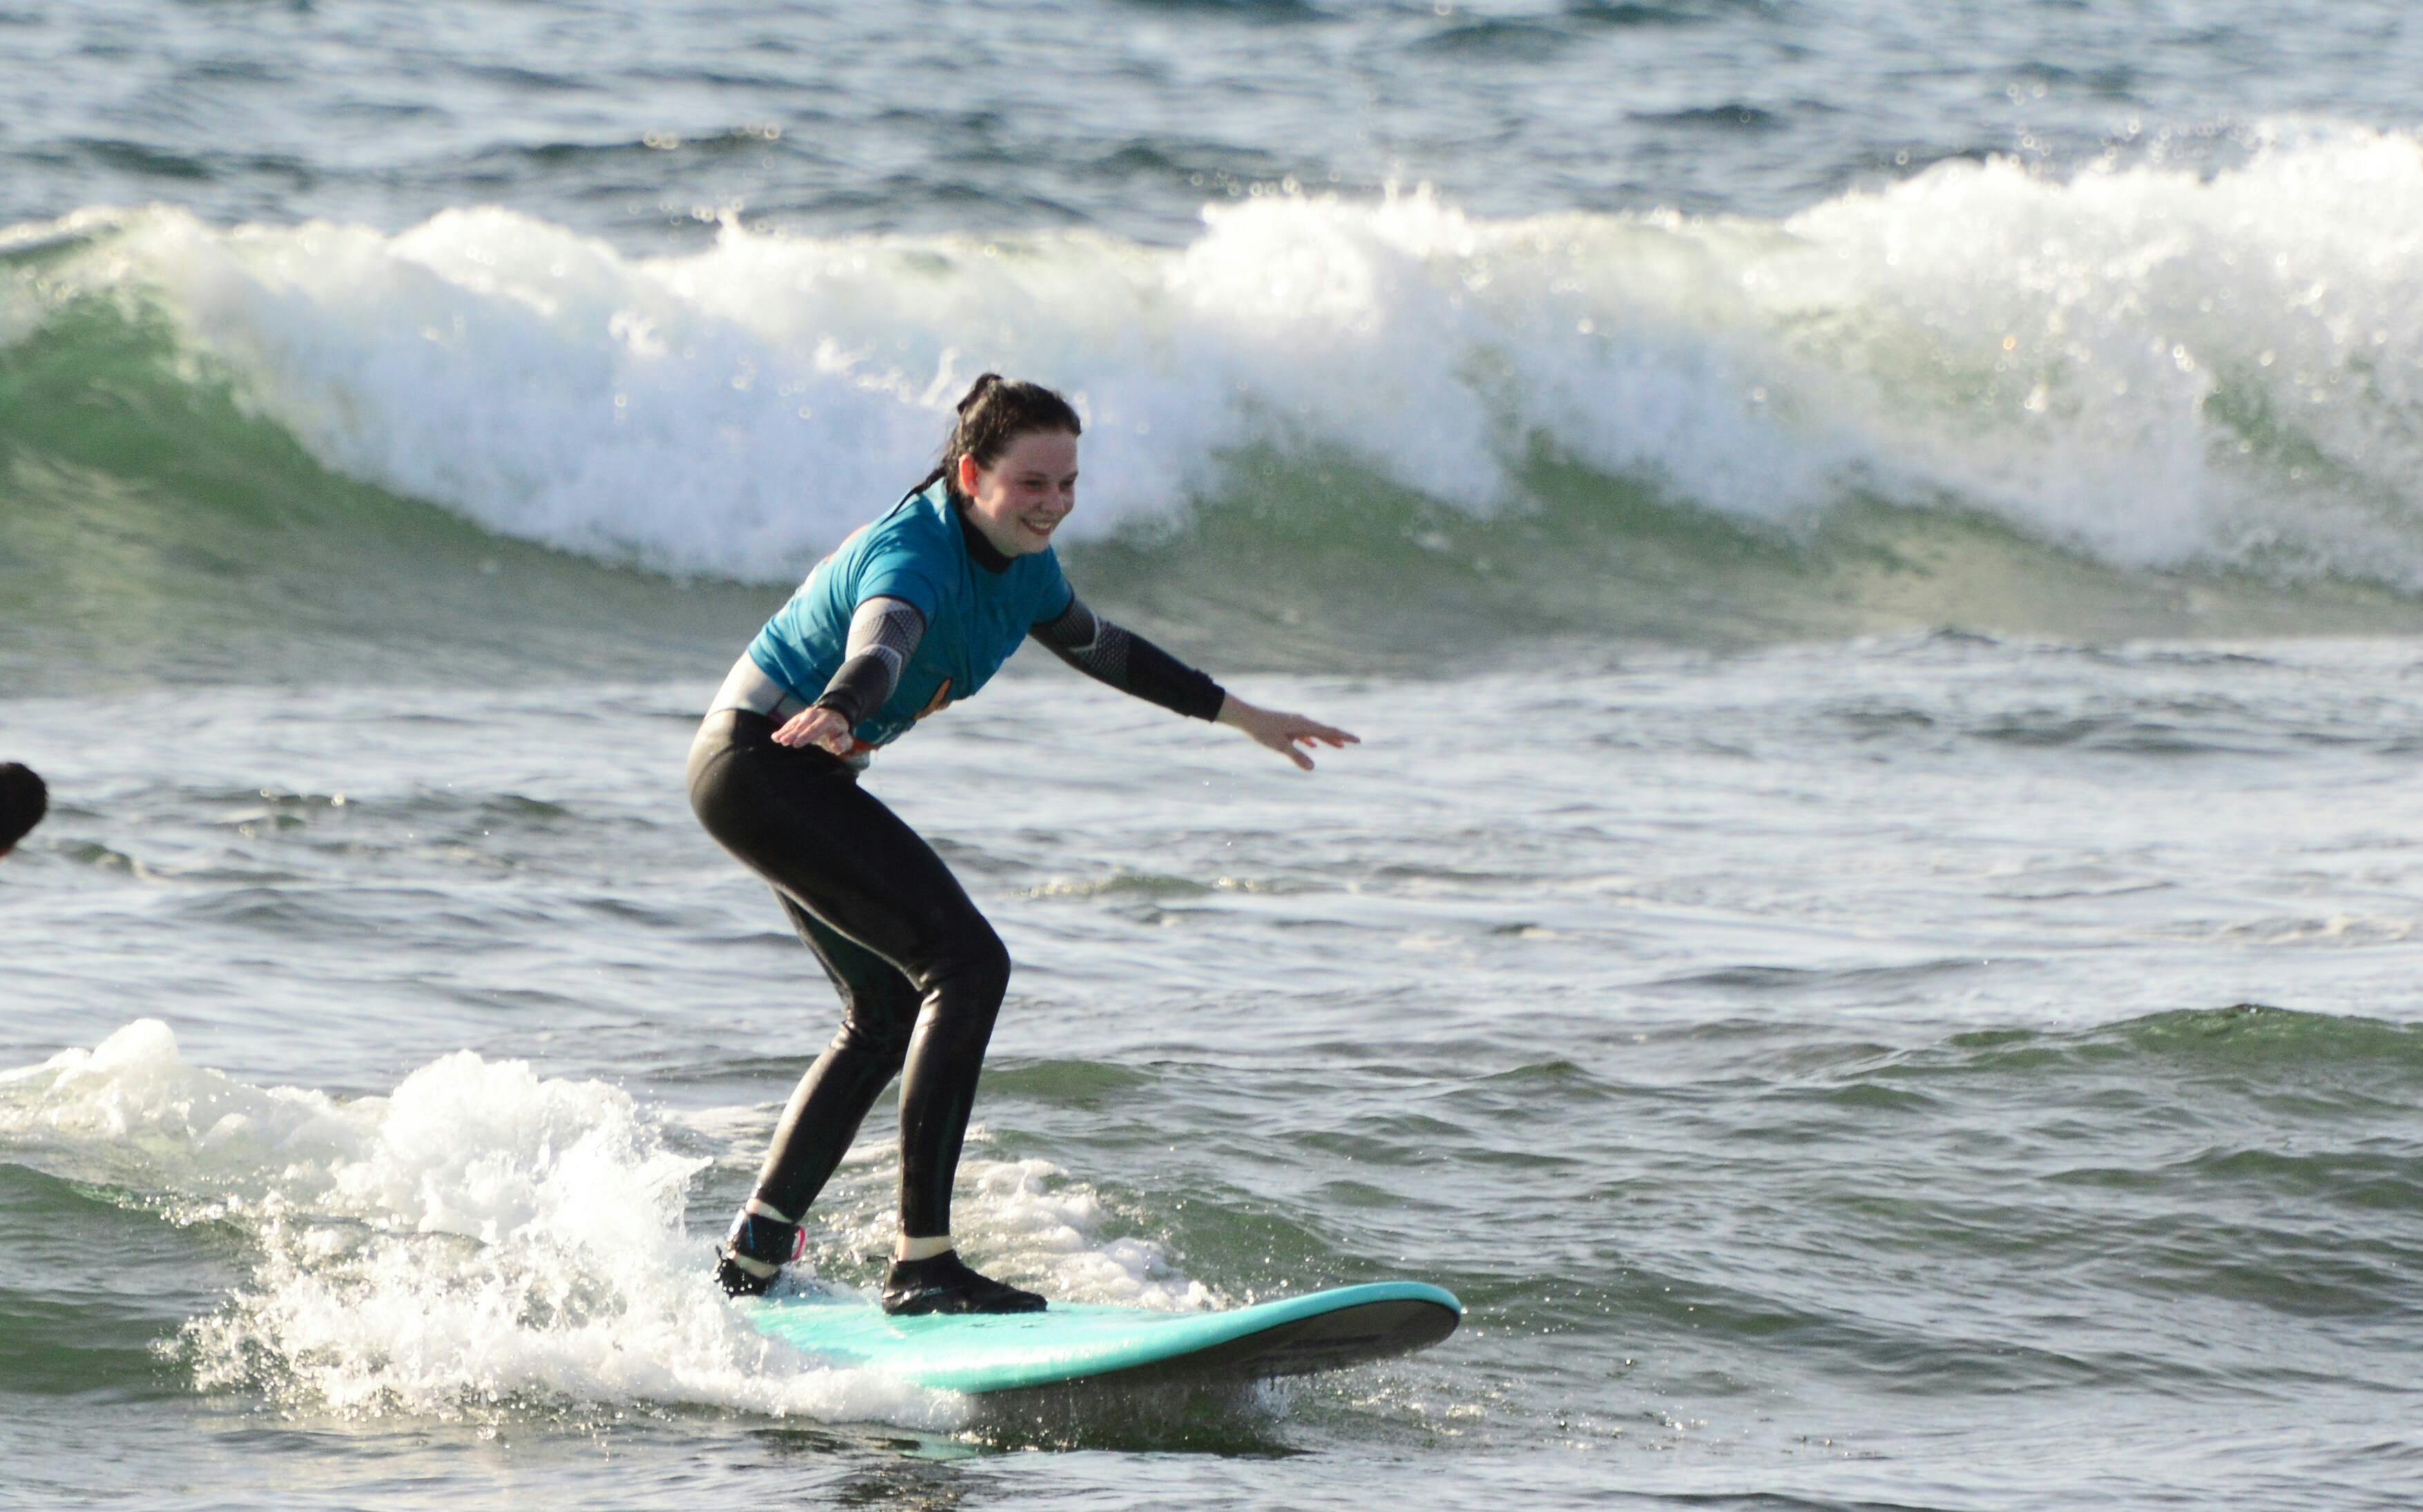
[(1133, 664), (1130, 663)]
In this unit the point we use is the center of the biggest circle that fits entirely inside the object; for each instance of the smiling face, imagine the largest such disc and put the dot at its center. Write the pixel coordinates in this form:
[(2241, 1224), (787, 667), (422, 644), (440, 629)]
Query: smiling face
[(1022, 498)]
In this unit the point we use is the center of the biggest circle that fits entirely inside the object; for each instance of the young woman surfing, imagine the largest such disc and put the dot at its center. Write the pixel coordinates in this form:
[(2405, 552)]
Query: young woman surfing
[(912, 613)]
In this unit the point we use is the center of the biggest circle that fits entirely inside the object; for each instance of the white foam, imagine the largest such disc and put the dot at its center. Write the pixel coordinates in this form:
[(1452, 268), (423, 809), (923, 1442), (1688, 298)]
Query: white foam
[(2154, 366), (483, 1235), (1027, 1221), (2075, 354), (1027, 1218)]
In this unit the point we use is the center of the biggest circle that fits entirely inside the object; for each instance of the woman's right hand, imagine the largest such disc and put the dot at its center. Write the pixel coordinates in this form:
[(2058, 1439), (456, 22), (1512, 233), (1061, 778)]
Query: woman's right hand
[(816, 726)]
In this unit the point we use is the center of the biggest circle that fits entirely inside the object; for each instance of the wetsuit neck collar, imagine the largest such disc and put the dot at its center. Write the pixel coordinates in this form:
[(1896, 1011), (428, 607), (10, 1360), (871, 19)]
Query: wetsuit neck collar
[(985, 554)]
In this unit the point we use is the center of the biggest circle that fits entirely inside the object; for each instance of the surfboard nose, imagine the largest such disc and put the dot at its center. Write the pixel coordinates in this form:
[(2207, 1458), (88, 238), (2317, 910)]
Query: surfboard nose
[(1353, 1335)]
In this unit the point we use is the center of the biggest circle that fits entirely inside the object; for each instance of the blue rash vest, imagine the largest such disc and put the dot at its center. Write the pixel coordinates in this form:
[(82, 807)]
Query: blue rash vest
[(974, 617)]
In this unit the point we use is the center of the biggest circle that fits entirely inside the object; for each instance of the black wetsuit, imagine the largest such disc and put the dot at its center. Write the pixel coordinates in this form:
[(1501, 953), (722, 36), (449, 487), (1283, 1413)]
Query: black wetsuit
[(919, 973)]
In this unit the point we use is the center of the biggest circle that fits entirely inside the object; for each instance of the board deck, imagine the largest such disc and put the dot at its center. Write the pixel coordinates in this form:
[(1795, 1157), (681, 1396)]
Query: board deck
[(1075, 1342)]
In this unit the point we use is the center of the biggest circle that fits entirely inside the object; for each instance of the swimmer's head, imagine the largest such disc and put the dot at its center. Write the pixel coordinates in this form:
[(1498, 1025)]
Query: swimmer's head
[(995, 413), (24, 800), (1012, 461)]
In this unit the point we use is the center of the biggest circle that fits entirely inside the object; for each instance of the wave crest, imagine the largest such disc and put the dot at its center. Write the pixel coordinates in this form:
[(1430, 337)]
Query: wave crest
[(2154, 368)]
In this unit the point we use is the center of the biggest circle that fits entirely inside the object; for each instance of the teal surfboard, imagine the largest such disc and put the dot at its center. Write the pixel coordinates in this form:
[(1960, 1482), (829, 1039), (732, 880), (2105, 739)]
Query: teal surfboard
[(1072, 1341)]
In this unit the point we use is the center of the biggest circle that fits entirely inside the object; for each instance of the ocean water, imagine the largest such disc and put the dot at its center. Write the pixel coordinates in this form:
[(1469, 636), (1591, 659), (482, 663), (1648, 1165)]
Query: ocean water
[(1876, 552)]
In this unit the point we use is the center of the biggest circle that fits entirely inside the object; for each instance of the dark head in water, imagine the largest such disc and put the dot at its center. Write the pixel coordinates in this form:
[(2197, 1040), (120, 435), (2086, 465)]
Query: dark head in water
[(1011, 462), (24, 800)]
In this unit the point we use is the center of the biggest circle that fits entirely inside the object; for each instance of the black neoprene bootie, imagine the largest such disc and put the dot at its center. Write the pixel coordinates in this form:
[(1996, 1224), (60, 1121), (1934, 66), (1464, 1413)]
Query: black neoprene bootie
[(946, 1285), (755, 1253)]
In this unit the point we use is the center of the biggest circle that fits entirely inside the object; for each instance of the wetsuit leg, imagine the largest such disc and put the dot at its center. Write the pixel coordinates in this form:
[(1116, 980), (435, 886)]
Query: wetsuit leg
[(878, 1008), (872, 893)]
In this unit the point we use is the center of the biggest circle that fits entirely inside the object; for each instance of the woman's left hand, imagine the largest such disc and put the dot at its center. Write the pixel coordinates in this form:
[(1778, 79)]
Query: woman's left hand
[(1283, 733)]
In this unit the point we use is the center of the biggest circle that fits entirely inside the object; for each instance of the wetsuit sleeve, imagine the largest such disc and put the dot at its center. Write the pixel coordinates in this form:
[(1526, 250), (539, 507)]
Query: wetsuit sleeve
[(1130, 663), (882, 634)]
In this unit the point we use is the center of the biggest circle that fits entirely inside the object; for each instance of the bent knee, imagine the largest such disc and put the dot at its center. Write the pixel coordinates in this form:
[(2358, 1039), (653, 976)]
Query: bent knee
[(883, 1038), (991, 965), (976, 971), (878, 1010)]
